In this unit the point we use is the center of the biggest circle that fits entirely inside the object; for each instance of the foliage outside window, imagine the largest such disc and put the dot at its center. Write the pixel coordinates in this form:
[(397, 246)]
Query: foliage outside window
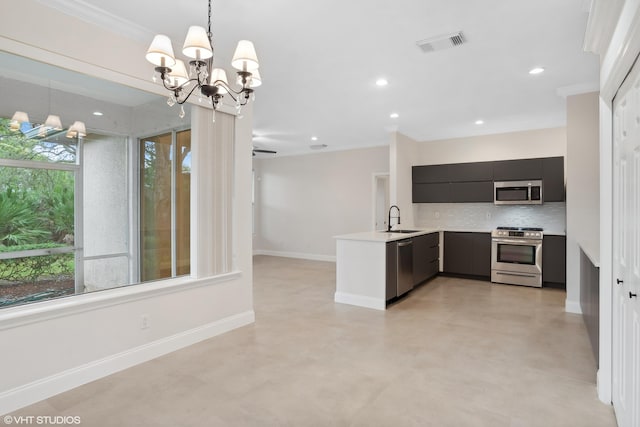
[(36, 216)]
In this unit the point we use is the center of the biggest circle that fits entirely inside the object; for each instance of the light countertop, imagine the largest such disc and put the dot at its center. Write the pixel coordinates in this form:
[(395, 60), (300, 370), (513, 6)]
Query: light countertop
[(383, 236)]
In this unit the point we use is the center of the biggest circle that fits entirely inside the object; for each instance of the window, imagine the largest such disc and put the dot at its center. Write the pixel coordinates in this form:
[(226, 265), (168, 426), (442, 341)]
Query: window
[(165, 186)]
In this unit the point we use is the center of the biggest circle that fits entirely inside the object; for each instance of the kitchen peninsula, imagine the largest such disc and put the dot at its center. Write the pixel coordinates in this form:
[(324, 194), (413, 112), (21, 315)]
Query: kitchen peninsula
[(375, 267)]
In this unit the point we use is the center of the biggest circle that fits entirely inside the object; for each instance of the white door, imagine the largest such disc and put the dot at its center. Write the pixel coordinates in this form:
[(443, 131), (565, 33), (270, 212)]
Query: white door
[(626, 252)]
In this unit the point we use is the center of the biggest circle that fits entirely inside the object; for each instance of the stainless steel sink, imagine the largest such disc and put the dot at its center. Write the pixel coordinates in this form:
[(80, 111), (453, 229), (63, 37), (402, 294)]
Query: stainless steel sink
[(401, 231)]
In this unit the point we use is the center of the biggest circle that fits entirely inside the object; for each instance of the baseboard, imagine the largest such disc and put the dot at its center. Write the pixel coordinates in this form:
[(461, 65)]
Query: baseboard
[(572, 307), (297, 255), (36, 391), (604, 387), (360, 301)]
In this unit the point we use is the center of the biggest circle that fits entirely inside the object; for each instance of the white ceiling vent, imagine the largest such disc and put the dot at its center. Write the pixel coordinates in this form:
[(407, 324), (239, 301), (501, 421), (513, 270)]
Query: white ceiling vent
[(444, 41)]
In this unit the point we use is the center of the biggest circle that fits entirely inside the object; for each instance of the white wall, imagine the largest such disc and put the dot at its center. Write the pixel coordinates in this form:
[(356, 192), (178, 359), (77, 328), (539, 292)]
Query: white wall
[(402, 154), (303, 201), (504, 146), (52, 346), (583, 193)]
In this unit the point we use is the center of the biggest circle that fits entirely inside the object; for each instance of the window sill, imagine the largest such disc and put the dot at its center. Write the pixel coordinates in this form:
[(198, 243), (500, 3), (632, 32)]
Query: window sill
[(12, 317)]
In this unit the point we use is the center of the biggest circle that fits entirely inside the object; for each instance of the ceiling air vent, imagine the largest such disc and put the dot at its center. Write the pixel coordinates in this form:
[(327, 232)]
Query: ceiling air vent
[(441, 42)]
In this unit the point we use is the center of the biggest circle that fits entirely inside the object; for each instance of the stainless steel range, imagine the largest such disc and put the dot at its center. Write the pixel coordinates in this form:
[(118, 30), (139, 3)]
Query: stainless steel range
[(516, 256)]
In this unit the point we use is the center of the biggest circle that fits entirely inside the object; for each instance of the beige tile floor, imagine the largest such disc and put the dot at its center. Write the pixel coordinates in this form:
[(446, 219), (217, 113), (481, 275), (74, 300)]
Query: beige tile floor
[(454, 353)]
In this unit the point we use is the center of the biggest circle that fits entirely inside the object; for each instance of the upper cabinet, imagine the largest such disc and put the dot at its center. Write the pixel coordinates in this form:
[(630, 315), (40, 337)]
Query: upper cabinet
[(473, 182), (517, 170), (553, 179)]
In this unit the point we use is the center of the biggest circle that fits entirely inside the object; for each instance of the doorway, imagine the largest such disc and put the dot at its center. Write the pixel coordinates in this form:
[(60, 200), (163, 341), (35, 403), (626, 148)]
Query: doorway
[(380, 201)]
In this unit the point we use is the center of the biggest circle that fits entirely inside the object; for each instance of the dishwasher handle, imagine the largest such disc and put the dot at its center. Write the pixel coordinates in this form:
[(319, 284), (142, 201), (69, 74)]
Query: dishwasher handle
[(405, 243)]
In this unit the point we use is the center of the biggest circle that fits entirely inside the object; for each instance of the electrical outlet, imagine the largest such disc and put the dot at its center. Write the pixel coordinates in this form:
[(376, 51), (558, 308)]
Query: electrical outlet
[(488, 215), (437, 215), (144, 321)]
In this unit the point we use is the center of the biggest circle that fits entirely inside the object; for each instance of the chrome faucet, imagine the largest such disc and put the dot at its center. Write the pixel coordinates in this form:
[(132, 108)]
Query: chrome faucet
[(389, 220)]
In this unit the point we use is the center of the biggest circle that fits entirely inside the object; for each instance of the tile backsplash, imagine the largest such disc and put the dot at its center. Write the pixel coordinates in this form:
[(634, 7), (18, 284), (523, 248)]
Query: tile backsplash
[(487, 216)]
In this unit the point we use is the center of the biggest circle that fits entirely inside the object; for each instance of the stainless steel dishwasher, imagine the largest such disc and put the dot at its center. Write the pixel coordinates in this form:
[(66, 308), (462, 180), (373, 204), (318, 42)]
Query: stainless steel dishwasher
[(404, 257)]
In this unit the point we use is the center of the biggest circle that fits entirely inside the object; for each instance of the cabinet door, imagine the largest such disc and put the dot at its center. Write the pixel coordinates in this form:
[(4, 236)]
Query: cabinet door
[(553, 179), (430, 174), (392, 269), (482, 254), (470, 192), (554, 256), (471, 172), (458, 252), (431, 193), (420, 258), (425, 252), (517, 170)]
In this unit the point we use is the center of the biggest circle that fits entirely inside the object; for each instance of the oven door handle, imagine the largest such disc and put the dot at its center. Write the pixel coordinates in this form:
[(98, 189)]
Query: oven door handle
[(518, 242)]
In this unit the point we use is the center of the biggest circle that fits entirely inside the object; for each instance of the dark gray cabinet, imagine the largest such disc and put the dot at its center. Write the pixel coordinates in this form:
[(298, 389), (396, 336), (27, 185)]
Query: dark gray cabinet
[(426, 257), (392, 270), (467, 253), (553, 179), (431, 193), (554, 259), (473, 182), (470, 172), (430, 174), (469, 192), (517, 170), (482, 254)]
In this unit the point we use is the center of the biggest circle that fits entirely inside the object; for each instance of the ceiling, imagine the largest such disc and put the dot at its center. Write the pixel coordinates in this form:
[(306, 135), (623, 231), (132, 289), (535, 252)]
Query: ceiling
[(320, 60)]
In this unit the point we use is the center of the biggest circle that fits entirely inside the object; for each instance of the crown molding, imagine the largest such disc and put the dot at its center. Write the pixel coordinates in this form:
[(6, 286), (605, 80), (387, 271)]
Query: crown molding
[(94, 15)]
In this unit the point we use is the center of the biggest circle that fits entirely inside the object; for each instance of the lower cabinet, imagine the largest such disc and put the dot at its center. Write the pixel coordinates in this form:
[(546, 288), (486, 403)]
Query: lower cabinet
[(426, 257), (554, 258), (467, 253)]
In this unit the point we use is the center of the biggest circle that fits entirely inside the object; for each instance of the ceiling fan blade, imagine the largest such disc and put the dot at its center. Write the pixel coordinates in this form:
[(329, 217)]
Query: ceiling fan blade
[(258, 150)]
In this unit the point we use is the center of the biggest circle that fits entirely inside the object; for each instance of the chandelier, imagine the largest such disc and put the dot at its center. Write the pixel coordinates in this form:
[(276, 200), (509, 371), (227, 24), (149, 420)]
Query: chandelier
[(210, 82)]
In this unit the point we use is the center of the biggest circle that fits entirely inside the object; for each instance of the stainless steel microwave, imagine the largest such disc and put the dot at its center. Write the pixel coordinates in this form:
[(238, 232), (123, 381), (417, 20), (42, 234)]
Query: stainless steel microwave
[(517, 192)]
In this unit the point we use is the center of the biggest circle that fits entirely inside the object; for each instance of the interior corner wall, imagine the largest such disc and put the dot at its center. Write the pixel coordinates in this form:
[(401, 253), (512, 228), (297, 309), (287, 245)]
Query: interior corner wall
[(301, 202), (583, 189), (49, 347)]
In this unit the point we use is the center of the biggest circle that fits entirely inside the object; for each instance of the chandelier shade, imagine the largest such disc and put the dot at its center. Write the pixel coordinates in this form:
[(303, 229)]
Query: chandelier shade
[(178, 74), (196, 45), (160, 52), (18, 118), (218, 75), (245, 58), (77, 129), (53, 122)]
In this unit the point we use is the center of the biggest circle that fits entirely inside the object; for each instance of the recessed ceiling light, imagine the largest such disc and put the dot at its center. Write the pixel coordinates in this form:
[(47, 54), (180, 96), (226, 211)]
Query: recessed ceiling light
[(479, 122), (314, 138), (381, 82), (536, 70), (98, 113), (394, 115)]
